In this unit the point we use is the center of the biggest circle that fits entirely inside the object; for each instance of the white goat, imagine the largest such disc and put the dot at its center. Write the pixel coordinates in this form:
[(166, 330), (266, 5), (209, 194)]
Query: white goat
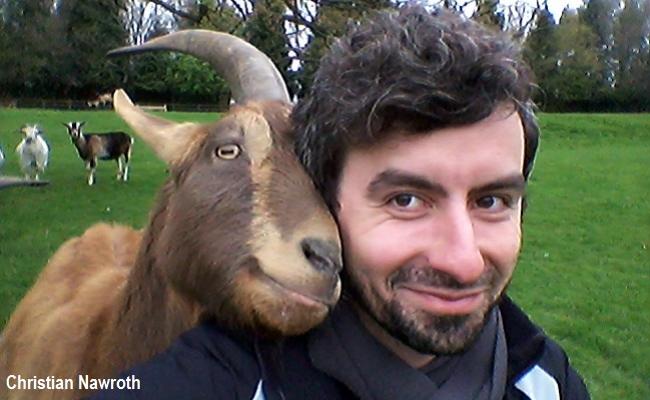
[(33, 152), (101, 100)]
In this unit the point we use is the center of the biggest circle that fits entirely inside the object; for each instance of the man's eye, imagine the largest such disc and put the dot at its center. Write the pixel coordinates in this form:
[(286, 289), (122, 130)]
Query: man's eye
[(493, 202), (405, 200)]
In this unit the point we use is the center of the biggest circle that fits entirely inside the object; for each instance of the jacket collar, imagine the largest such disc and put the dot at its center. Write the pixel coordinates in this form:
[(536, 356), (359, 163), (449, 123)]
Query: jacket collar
[(342, 348), (342, 353), (525, 341)]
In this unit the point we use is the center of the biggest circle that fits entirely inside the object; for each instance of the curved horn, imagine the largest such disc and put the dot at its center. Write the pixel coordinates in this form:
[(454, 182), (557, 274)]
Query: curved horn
[(9, 181), (250, 74)]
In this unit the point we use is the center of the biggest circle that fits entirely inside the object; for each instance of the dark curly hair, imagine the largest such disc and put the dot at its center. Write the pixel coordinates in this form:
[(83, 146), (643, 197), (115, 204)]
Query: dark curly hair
[(408, 69)]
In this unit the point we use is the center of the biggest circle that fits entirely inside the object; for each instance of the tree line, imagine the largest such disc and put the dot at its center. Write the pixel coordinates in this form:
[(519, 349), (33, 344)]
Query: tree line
[(595, 58)]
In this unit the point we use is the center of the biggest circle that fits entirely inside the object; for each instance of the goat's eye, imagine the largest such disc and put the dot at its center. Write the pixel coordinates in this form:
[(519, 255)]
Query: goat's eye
[(228, 151)]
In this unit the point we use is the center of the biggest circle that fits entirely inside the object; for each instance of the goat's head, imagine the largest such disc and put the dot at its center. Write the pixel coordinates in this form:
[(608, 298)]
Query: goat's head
[(30, 133), (245, 232), (74, 128)]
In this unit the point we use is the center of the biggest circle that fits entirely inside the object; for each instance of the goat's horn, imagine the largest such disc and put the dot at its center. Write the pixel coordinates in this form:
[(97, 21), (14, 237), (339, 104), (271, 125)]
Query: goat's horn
[(250, 74), (9, 181)]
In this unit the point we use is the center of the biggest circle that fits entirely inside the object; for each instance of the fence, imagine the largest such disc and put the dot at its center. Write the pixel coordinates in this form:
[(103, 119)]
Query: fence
[(82, 105)]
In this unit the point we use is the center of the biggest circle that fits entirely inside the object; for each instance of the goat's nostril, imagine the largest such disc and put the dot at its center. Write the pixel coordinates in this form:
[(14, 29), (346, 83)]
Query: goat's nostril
[(321, 255)]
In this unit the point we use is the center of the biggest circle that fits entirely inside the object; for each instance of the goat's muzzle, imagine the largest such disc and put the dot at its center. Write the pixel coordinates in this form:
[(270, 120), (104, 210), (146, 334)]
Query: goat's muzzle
[(323, 256)]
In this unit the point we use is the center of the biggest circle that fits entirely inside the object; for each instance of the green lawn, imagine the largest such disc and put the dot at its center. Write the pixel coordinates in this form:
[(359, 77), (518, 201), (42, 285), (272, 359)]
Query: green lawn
[(585, 269)]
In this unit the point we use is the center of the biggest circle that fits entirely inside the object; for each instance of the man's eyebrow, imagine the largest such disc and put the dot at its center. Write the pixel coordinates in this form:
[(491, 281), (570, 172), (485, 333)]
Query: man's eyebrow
[(515, 182), (396, 178)]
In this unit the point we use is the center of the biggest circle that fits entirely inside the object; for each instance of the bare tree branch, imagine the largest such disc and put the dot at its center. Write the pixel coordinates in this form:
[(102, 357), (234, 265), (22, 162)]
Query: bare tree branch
[(298, 18), (462, 7), (519, 18), (180, 13), (312, 16), (244, 13)]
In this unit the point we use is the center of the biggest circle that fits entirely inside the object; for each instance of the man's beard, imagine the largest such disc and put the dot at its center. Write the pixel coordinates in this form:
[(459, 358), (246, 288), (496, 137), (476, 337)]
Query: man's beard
[(421, 330)]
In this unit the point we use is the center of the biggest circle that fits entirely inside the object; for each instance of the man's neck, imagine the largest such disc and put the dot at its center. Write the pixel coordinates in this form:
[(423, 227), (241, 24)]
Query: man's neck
[(404, 352)]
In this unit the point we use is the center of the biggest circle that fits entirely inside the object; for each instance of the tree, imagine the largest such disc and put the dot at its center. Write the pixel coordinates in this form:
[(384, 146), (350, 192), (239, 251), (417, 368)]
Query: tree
[(332, 19), (144, 20), (265, 30), (574, 84), (488, 13), (599, 15), (309, 26), (541, 52), (90, 29), (631, 35), (27, 42), (188, 79)]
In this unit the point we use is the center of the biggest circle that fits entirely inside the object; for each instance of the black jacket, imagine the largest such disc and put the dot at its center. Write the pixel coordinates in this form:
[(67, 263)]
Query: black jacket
[(209, 363)]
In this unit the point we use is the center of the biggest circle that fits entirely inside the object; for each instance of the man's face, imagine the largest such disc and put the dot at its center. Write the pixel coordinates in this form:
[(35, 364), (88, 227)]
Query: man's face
[(431, 229)]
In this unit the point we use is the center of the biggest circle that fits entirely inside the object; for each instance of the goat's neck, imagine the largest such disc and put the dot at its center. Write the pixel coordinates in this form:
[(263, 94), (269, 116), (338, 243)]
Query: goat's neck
[(79, 140), (152, 314), (80, 143)]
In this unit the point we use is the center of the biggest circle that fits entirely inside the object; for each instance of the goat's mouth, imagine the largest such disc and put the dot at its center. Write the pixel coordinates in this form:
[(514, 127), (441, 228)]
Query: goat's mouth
[(303, 295)]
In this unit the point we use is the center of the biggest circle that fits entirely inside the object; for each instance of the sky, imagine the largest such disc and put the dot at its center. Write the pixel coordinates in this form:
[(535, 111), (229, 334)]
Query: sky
[(555, 6)]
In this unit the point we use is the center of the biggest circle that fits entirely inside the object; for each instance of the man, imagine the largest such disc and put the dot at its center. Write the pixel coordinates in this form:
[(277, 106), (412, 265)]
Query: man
[(419, 132)]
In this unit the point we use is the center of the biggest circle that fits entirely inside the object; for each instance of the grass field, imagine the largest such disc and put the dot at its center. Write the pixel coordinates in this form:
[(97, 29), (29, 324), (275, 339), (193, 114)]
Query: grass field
[(585, 268)]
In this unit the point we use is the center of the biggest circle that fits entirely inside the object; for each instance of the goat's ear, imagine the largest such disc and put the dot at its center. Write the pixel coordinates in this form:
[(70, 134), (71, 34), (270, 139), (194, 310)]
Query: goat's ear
[(277, 114), (169, 140), (82, 123)]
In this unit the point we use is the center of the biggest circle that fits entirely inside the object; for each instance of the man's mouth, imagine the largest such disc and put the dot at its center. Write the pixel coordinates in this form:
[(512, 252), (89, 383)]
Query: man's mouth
[(441, 300)]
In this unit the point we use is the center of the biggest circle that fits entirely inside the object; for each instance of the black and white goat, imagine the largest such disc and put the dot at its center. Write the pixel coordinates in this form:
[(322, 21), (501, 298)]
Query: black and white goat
[(33, 152), (103, 146)]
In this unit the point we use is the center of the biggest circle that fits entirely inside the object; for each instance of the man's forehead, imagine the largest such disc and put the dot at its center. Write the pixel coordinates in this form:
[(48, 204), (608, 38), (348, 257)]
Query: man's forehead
[(404, 131), (486, 129), (473, 154)]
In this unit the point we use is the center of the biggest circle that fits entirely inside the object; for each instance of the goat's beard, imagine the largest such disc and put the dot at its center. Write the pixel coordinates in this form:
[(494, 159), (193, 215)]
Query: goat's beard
[(420, 330)]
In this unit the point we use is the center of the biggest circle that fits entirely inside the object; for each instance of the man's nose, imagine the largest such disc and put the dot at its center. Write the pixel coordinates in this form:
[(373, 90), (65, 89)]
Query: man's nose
[(455, 249)]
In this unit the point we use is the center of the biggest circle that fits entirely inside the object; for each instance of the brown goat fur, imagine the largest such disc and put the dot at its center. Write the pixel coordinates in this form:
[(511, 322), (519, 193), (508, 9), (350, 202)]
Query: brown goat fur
[(56, 317), (225, 240)]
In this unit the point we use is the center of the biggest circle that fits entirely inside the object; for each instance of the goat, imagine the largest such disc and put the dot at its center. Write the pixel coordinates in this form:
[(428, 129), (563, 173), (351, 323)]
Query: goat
[(103, 146), (33, 152), (11, 181), (100, 100), (238, 234)]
